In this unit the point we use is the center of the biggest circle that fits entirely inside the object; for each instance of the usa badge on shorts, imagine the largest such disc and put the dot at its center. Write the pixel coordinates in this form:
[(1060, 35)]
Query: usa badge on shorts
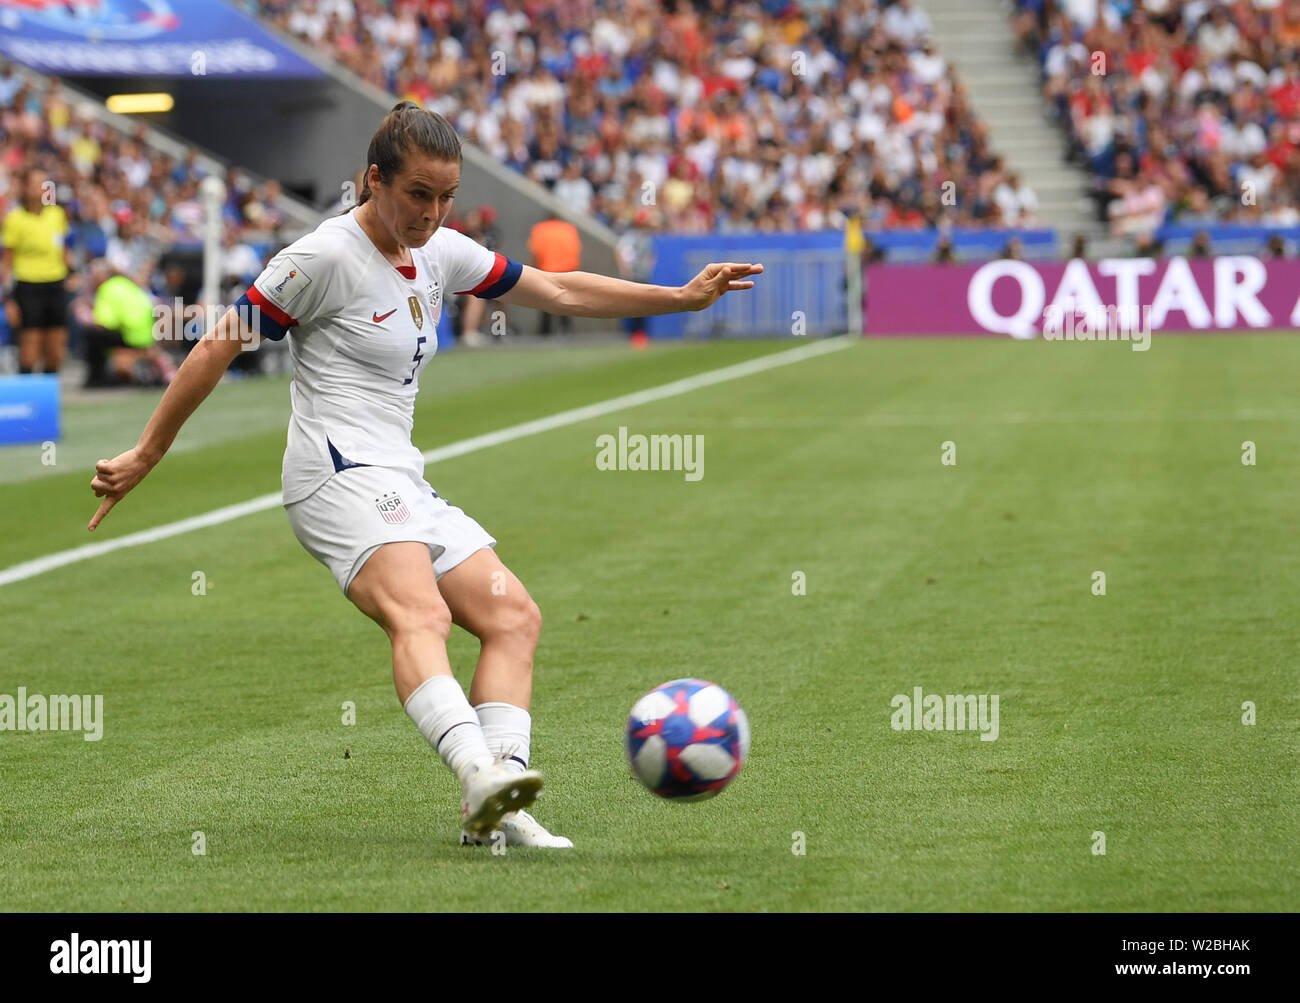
[(392, 508)]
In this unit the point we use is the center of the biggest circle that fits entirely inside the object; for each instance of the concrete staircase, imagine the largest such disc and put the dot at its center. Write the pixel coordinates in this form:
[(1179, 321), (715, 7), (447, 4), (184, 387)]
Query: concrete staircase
[(975, 36)]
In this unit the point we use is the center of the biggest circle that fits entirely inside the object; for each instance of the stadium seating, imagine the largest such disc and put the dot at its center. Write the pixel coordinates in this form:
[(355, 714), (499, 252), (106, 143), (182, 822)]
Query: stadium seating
[(776, 116), (129, 204), (1185, 111)]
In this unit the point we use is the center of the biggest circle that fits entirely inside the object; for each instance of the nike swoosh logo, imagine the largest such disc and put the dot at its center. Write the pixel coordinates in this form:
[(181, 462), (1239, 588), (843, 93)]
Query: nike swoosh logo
[(379, 320)]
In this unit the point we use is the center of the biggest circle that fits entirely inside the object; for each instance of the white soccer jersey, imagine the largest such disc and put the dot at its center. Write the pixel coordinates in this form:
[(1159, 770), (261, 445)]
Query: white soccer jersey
[(361, 331)]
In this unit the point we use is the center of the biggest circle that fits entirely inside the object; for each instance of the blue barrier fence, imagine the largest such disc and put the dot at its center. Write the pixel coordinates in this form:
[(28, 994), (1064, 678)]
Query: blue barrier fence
[(910, 246), (804, 275), (1177, 238)]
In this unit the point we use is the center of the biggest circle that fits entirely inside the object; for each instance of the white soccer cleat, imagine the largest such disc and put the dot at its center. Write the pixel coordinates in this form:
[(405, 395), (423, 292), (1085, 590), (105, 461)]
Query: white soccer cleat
[(518, 828), (491, 793)]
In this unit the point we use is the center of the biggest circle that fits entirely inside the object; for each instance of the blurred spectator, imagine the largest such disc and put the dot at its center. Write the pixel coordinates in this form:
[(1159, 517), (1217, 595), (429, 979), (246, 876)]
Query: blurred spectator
[(33, 272), (1017, 202), (1147, 246), (240, 264), (1218, 37), (10, 84), (132, 251), (480, 225), (573, 189), (555, 247), (907, 23), (943, 254), (1140, 208), (1197, 209), (120, 343), (176, 288), (635, 256), (1283, 212)]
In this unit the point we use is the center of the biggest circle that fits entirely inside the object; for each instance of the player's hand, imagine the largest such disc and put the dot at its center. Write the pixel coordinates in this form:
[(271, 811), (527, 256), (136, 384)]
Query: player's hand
[(707, 288), (114, 478)]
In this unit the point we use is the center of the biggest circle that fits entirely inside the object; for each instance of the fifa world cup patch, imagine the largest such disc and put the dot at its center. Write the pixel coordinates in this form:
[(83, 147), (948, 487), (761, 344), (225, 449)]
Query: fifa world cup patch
[(285, 282), (392, 508)]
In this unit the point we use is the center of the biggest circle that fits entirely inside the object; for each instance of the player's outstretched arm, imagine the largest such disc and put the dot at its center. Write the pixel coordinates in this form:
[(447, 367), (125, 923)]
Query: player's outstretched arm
[(195, 379), (586, 294)]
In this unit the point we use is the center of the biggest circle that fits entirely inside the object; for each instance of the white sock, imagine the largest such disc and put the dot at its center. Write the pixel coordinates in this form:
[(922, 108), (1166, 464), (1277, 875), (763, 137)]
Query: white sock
[(507, 730), (443, 714)]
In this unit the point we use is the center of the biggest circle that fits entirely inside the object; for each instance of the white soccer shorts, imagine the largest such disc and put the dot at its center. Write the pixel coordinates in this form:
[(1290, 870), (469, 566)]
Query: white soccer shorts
[(361, 508)]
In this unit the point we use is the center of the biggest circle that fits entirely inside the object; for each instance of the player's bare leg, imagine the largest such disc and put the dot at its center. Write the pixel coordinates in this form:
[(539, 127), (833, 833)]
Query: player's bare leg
[(396, 588), (486, 599), (54, 342), (29, 349), (472, 319)]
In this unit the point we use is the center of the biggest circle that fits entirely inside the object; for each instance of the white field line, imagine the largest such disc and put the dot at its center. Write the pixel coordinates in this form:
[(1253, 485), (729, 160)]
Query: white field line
[(1014, 418), (40, 565)]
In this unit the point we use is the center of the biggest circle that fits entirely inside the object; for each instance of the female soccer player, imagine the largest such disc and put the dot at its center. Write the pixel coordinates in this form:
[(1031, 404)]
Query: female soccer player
[(362, 295)]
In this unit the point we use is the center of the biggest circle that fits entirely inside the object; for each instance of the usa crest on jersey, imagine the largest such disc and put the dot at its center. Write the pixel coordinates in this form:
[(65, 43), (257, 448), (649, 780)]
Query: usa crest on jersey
[(392, 508)]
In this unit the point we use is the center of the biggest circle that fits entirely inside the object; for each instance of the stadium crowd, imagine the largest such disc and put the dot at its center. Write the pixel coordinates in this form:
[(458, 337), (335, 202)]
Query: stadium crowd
[(1184, 111), (713, 115), (120, 209)]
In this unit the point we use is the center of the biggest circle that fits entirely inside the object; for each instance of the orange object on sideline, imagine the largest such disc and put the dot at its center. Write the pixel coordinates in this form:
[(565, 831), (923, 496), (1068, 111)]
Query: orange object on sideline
[(555, 246)]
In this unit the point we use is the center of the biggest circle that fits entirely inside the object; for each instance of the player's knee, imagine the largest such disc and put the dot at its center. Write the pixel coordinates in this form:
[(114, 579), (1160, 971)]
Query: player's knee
[(425, 616), (519, 621), (533, 619)]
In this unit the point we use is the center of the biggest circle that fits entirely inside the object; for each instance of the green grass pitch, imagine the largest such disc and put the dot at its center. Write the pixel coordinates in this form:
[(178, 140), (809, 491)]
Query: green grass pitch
[(1119, 714)]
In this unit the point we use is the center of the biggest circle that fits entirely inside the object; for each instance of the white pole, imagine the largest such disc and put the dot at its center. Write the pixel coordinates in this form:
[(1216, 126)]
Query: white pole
[(212, 190)]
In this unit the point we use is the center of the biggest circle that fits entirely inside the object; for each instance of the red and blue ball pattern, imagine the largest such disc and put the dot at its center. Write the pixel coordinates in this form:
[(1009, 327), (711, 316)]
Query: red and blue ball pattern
[(687, 739)]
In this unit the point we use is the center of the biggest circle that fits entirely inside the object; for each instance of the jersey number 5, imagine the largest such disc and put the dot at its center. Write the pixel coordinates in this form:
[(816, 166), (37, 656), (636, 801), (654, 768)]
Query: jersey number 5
[(419, 343)]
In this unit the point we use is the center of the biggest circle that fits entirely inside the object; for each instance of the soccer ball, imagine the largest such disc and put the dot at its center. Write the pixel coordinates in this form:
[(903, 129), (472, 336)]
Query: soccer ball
[(687, 739)]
